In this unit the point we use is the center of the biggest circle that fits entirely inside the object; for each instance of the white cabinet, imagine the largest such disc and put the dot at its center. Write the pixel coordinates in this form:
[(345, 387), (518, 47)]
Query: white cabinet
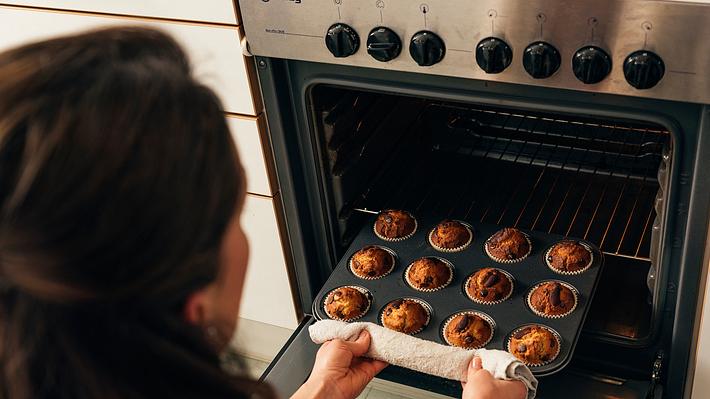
[(220, 11), (246, 135), (215, 51), (267, 294)]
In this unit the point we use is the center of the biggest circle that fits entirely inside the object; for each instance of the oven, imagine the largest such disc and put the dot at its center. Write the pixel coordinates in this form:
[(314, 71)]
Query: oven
[(589, 120)]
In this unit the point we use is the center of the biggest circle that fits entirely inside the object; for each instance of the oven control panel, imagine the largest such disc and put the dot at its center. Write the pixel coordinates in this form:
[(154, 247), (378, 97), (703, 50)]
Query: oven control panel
[(644, 48)]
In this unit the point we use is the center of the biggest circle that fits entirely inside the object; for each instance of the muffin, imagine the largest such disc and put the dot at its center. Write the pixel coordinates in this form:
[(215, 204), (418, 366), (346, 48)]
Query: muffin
[(405, 315), (394, 225), (569, 257), (552, 299), (508, 245), (346, 303), (468, 330), (535, 345), (428, 274), (450, 236), (489, 286), (372, 262)]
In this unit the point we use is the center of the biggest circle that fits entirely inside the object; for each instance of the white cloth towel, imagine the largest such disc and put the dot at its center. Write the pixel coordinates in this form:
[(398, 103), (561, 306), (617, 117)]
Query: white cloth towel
[(425, 356)]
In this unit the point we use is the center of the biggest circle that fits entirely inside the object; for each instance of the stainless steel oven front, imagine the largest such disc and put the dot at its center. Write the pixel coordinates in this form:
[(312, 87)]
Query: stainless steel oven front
[(595, 115)]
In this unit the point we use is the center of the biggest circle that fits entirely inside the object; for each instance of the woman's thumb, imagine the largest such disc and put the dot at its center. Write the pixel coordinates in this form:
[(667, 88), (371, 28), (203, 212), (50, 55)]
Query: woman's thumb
[(475, 365), (360, 346)]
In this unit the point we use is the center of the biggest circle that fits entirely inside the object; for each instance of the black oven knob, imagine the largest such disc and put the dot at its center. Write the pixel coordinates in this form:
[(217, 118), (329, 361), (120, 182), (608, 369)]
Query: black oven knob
[(383, 44), (541, 60), (342, 40), (493, 55), (427, 48), (591, 64), (643, 69)]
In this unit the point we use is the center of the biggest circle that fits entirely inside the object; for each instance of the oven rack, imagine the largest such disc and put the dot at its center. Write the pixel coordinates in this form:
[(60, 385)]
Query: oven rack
[(577, 178)]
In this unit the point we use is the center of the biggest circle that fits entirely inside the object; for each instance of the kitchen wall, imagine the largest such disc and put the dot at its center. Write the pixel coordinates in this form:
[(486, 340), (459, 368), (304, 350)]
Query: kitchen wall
[(210, 32)]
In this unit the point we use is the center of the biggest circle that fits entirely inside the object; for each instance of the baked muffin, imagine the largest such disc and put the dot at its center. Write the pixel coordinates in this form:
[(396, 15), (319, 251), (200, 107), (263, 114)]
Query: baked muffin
[(508, 245), (552, 299), (371, 262), (405, 315), (534, 345), (468, 330), (489, 285), (346, 303), (428, 274), (450, 235), (569, 257), (394, 224)]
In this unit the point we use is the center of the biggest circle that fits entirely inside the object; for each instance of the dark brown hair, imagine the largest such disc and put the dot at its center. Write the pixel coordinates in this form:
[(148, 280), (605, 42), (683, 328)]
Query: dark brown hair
[(118, 178)]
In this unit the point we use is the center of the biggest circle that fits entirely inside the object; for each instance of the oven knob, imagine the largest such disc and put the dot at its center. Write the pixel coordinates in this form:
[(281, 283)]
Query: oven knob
[(427, 48), (541, 60), (342, 40), (643, 69), (383, 44), (493, 55), (591, 64)]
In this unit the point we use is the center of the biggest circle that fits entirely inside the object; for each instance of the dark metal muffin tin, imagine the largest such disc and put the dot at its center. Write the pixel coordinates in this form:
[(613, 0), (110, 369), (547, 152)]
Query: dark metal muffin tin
[(508, 315)]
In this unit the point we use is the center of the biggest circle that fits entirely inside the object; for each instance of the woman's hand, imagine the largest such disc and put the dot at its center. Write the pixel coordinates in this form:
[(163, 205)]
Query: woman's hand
[(339, 372), (480, 384)]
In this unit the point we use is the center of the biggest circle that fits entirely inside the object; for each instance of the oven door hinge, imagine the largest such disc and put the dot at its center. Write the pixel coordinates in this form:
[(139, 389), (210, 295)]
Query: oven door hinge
[(245, 47), (655, 390)]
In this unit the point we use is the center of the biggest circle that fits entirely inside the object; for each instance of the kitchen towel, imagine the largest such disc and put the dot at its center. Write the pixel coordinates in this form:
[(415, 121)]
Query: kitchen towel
[(425, 356)]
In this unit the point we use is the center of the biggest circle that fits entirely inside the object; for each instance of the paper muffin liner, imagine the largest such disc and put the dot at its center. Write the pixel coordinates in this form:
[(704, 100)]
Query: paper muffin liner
[(482, 315), (446, 262), (381, 237), (456, 249), (474, 299), (392, 255), (568, 273), (425, 305), (555, 334), (508, 261), (367, 294), (575, 293)]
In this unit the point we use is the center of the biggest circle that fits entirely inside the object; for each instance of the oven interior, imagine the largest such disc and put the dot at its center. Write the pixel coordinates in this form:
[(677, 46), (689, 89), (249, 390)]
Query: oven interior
[(603, 180)]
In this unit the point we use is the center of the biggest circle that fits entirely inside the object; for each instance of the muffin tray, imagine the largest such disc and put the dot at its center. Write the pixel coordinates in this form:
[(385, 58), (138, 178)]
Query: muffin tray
[(508, 315)]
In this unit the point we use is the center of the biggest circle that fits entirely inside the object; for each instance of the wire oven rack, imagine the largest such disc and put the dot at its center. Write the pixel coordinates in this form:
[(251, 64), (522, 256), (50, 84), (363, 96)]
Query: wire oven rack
[(581, 177)]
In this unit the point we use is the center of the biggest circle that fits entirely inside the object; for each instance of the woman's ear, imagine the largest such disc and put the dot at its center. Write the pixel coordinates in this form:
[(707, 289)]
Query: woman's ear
[(196, 308)]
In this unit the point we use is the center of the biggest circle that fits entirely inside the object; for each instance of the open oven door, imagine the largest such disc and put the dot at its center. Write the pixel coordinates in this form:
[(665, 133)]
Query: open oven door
[(293, 364)]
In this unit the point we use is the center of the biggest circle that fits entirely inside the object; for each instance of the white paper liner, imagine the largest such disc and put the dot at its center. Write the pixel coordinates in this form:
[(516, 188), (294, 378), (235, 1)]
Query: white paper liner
[(482, 315), (381, 237), (565, 272), (392, 255), (367, 294), (555, 334), (508, 261), (457, 249), (474, 299), (575, 293), (411, 284), (425, 305)]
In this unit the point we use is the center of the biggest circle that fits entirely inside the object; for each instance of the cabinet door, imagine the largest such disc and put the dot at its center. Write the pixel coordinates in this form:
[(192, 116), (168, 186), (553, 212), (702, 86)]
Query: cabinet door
[(220, 11), (267, 292), (215, 51), (246, 135)]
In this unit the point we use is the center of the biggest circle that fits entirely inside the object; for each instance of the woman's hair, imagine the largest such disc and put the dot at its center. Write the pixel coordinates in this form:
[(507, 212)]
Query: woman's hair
[(118, 179)]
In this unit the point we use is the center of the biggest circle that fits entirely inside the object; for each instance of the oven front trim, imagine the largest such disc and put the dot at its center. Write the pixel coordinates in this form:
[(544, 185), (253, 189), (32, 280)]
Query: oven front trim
[(285, 88)]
